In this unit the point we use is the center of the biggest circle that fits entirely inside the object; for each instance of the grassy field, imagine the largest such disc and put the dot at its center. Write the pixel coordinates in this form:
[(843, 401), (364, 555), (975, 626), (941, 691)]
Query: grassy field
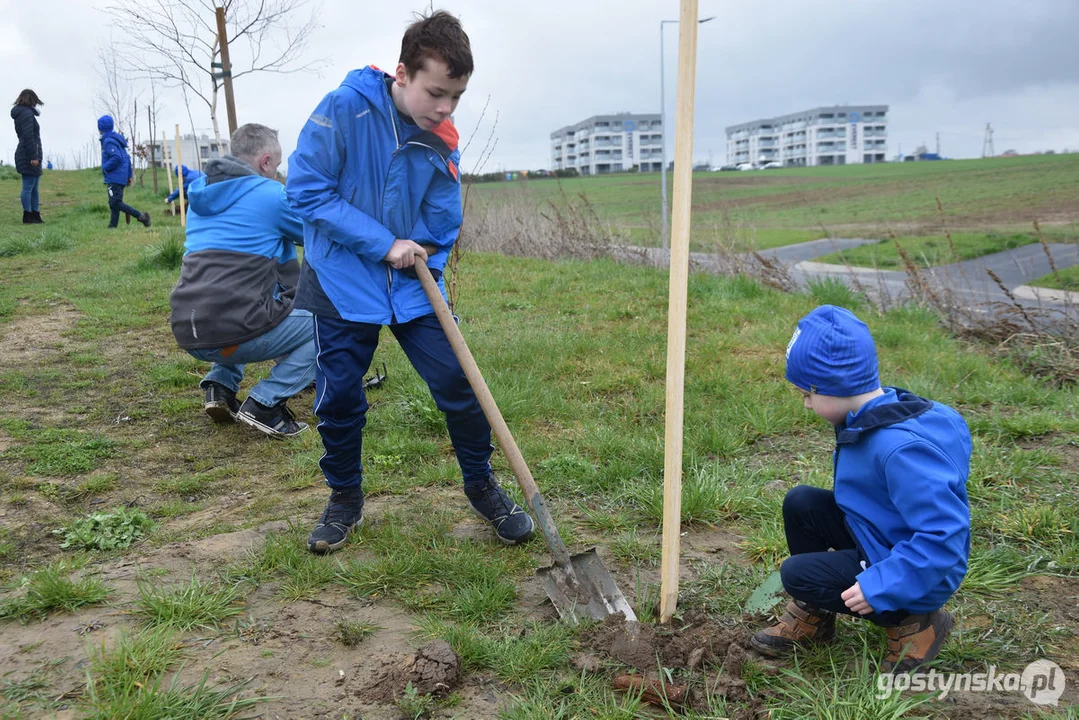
[(762, 209), (1065, 279), (178, 585)]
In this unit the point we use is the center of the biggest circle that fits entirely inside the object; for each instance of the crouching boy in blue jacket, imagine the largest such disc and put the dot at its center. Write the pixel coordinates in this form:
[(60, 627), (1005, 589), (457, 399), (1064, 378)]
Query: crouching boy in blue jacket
[(373, 177), (891, 542)]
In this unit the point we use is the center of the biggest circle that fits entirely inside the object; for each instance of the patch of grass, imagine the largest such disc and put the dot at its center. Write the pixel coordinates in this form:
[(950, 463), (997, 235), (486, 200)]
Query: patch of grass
[(154, 699), (115, 530), (996, 572), (352, 632), (22, 245), (1062, 279), (192, 605), (54, 451), (838, 696), (96, 484), (29, 689), (425, 568), (138, 657), (166, 254), (413, 706), (831, 291), (928, 251), (512, 656), (51, 589), (631, 549)]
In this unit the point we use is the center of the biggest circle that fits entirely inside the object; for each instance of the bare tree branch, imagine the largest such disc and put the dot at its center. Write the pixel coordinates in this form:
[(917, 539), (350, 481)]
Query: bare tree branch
[(175, 41)]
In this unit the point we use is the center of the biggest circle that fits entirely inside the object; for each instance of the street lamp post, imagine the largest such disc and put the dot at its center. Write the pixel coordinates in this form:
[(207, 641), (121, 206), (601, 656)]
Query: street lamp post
[(665, 240)]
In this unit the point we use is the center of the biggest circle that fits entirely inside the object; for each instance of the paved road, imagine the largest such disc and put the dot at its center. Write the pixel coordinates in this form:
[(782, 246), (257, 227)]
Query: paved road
[(966, 283)]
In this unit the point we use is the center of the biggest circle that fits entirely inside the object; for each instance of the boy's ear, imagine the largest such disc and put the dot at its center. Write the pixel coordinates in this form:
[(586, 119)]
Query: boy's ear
[(401, 76)]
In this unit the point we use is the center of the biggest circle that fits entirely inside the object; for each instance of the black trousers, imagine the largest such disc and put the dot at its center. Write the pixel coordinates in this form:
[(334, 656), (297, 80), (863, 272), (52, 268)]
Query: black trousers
[(117, 205), (825, 560)]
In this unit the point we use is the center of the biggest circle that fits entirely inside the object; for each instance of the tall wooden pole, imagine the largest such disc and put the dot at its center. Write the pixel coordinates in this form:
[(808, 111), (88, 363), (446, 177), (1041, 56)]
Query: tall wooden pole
[(180, 180), (676, 313), (165, 157), (153, 161), (226, 70)]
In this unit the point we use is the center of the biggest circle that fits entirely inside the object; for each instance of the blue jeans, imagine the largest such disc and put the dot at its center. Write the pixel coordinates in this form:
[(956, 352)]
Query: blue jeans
[(117, 205), (345, 350), (29, 192), (814, 523), (291, 343)]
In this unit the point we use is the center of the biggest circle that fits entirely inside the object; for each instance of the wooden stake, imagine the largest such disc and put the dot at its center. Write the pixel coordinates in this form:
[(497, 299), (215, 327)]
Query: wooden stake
[(180, 178), (676, 313), (168, 160)]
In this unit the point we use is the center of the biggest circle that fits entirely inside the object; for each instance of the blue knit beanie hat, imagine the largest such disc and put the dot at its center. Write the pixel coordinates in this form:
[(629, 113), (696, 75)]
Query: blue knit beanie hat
[(832, 353), (104, 123)]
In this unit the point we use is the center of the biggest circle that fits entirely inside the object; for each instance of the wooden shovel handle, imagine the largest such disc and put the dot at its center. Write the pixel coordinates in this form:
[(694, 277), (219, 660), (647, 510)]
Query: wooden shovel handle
[(494, 416)]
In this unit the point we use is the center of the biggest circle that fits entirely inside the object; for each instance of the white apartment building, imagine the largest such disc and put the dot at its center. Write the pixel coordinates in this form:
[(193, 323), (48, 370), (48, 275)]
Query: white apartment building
[(839, 135), (194, 151), (609, 143)]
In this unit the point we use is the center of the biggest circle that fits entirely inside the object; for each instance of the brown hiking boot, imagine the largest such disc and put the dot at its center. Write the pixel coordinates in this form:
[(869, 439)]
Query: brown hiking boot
[(916, 641), (801, 624)]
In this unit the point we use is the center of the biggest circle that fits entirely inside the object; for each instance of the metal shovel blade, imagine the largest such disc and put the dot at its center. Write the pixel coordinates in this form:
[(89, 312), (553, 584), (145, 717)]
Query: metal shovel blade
[(586, 589)]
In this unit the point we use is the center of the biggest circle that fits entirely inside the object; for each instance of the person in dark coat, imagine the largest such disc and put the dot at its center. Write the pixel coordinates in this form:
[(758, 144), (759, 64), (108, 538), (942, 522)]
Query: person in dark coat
[(28, 154), (116, 168)]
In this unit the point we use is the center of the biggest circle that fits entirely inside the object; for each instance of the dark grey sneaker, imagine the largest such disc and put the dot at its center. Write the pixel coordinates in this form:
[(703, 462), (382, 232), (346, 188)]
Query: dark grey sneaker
[(145, 219), (511, 523), (343, 513), (221, 403), (276, 421)]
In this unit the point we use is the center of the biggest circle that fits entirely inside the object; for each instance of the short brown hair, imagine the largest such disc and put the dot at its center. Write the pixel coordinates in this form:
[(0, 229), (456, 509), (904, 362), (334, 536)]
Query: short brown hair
[(29, 98), (438, 36)]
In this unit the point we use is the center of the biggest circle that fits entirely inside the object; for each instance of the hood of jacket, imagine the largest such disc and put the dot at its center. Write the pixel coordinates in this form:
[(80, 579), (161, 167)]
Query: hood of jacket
[(227, 179), (18, 110), (370, 82), (891, 408), (114, 137)]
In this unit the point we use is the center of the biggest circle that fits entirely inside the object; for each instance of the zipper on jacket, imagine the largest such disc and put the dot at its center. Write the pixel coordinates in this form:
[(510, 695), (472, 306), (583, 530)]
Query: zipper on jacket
[(389, 285)]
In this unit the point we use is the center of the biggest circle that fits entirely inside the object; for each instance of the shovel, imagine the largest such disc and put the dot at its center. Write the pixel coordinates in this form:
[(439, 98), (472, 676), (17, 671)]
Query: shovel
[(578, 586)]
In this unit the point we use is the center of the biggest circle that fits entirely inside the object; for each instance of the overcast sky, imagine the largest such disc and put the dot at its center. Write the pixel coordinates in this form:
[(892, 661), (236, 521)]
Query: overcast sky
[(947, 66)]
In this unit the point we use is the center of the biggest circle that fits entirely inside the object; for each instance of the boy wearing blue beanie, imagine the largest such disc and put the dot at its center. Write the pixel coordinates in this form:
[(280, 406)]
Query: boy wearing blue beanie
[(890, 543), (116, 169)]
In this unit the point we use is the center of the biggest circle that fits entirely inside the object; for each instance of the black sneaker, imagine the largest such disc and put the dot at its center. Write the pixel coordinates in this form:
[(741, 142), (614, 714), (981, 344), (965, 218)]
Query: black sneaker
[(221, 403), (277, 421), (343, 513), (511, 523), (145, 219)]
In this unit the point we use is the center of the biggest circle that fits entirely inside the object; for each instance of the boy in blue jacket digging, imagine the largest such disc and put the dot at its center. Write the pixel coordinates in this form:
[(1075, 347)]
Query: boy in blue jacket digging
[(373, 177), (891, 542), (116, 168)]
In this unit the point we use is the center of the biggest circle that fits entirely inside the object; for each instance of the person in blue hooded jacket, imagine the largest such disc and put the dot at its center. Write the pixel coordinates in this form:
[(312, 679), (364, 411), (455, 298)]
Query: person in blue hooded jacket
[(891, 542), (234, 301), (374, 176), (116, 169), (184, 175)]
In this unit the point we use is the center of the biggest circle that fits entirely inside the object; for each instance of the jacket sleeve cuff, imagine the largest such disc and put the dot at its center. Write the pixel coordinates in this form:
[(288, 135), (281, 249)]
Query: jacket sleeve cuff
[(381, 246)]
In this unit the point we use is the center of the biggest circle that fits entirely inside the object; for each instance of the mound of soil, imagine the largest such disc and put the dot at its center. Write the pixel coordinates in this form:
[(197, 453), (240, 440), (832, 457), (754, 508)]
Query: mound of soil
[(434, 669), (704, 659)]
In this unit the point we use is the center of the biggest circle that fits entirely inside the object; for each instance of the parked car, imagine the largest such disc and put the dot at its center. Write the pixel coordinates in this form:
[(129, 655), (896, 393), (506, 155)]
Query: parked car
[(745, 166), (773, 165), (725, 168)]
